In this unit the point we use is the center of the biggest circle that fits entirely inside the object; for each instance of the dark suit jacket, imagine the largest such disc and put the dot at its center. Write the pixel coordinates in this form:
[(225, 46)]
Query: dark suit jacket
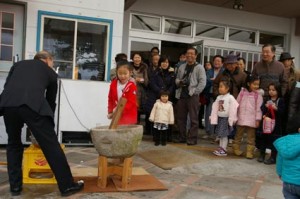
[(294, 111), (31, 83)]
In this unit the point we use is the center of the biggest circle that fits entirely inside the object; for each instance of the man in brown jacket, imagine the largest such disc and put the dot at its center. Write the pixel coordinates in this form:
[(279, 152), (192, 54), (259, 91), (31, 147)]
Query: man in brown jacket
[(269, 70)]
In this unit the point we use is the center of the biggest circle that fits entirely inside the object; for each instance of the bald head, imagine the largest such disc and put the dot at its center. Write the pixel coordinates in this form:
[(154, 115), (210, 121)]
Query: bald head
[(45, 57)]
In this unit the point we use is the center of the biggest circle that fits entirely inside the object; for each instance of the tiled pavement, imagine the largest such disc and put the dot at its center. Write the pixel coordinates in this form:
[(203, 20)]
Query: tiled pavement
[(211, 178)]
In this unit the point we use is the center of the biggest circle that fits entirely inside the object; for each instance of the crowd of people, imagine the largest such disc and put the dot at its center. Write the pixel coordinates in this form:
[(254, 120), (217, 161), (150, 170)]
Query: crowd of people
[(232, 101), (195, 92)]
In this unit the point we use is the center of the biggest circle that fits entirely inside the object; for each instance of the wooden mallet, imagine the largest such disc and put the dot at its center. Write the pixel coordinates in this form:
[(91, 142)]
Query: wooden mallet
[(118, 113)]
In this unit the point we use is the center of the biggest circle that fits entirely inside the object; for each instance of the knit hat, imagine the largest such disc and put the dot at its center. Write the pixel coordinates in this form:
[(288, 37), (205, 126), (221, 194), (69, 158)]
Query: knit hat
[(285, 56), (231, 59)]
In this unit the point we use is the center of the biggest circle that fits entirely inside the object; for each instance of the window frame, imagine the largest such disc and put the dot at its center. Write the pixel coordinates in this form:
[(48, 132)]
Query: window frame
[(272, 33), (83, 19), (181, 20), (145, 15), (242, 29), (13, 29), (220, 26)]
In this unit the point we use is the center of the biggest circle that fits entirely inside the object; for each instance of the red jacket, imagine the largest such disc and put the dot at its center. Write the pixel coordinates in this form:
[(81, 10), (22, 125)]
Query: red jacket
[(129, 115)]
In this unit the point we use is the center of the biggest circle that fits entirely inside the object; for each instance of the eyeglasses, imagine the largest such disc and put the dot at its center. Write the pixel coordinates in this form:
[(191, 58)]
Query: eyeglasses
[(190, 54)]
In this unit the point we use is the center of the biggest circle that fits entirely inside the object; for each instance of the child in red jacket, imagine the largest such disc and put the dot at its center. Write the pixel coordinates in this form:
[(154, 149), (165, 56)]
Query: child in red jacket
[(123, 86)]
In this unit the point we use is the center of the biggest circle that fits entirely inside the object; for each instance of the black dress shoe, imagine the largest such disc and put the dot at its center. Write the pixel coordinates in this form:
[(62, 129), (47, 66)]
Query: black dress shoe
[(270, 161), (261, 158), (16, 191), (76, 187)]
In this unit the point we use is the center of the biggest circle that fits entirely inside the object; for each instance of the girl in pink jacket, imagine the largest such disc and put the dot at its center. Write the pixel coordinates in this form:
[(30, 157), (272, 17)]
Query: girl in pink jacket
[(224, 115), (249, 115)]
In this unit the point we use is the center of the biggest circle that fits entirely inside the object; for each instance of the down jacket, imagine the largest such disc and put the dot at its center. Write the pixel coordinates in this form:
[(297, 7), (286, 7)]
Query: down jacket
[(294, 110), (162, 113), (249, 108), (288, 158), (161, 80)]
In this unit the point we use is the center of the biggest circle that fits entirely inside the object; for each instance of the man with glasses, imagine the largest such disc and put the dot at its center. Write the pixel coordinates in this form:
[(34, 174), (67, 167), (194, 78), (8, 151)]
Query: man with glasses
[(190, 80), (269, 70)]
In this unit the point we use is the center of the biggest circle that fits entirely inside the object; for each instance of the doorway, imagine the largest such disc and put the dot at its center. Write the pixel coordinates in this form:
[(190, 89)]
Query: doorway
[(169, 48), (173, 50), (143, 47)]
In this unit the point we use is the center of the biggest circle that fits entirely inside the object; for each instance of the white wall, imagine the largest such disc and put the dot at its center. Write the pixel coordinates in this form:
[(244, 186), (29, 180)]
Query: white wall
[(204, 13), (112, 9), (105, 9)]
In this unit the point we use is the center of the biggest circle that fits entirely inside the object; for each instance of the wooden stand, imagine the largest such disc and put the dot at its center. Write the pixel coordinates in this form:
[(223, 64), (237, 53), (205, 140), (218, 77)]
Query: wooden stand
[(124, 170)]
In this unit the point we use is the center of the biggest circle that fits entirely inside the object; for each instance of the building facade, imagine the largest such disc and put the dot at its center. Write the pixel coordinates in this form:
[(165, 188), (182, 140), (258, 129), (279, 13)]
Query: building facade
[(85, 35), (172, 24)]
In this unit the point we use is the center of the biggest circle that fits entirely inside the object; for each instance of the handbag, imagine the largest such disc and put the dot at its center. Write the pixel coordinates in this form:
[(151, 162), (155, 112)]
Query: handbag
[(269, 122)]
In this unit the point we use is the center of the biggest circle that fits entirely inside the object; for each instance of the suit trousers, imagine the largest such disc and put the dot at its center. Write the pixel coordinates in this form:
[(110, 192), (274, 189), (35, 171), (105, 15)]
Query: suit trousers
[(42, 127), (188, 106)]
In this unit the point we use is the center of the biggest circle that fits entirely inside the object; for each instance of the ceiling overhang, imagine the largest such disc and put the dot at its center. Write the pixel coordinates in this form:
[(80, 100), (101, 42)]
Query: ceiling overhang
[(280, 8)]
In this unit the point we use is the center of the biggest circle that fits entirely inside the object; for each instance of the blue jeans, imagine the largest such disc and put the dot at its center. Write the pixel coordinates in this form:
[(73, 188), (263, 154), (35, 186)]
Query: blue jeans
[(291, 191)]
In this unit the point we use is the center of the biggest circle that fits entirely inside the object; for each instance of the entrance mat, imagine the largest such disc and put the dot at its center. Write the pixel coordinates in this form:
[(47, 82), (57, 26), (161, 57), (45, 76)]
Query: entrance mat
[(169, 157), (206, 152), (137, 183)]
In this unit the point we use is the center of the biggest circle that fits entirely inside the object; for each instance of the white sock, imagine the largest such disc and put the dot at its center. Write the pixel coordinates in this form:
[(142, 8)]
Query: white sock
[(224, 142), (221, 142)]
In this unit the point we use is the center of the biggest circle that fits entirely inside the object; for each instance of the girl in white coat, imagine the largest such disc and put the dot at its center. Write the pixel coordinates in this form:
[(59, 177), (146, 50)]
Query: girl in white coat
[(162, 116), (224, 115)]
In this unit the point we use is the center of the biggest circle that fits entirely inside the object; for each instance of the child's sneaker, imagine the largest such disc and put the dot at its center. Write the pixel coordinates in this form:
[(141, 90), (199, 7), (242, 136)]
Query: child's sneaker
[(217, 151), (205, 137), (220, 152)]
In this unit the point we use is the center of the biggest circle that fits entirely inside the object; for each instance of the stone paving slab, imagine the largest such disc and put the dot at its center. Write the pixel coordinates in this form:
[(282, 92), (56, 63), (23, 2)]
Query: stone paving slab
[(271, 191), (211, 178)]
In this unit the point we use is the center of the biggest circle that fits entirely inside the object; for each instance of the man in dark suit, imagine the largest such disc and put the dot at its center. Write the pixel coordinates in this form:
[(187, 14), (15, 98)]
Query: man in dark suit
[(29, 97)]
